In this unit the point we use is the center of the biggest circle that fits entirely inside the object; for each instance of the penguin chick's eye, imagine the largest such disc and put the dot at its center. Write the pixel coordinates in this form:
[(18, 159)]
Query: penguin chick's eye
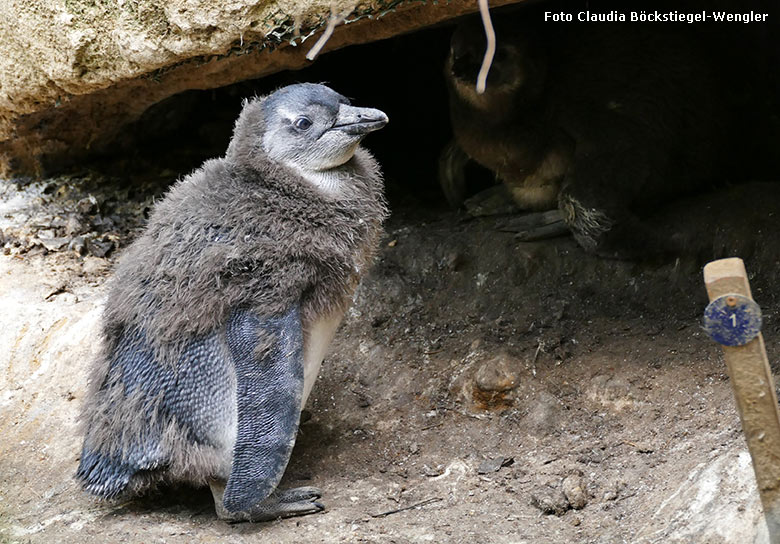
[(302, 123)]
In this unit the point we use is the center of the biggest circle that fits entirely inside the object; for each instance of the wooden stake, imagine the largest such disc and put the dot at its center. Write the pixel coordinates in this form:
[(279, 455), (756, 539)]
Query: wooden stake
[(754, 389)]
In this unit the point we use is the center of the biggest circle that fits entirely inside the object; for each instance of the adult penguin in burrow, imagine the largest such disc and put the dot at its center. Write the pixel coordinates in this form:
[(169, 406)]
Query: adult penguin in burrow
[(220, 313), (596, 126)]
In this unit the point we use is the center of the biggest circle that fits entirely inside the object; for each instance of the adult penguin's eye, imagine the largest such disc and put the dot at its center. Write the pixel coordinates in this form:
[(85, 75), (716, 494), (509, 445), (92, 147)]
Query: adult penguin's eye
[(302, 123)]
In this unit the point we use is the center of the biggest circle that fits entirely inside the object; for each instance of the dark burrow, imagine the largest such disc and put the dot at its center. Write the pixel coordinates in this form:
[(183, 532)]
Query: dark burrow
[(404, 77)]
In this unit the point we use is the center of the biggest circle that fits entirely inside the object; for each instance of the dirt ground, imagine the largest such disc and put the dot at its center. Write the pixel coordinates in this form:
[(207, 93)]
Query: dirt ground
[(481, 390)]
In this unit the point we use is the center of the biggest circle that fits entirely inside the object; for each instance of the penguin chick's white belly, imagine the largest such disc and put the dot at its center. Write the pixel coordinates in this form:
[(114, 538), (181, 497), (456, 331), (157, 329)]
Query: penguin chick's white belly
[(316, 340)]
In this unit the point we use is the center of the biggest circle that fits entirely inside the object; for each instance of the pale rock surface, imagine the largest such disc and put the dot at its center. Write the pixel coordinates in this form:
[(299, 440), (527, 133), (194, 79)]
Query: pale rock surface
[(73, 72)]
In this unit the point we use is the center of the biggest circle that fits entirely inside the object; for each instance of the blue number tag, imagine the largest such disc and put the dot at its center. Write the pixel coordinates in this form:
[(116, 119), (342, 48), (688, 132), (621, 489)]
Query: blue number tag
[(732, 320)]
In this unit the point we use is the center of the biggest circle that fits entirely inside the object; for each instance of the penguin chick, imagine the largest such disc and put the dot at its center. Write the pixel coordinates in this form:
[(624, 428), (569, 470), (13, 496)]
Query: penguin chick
[(220, 313), (604, 122), (501, 128)]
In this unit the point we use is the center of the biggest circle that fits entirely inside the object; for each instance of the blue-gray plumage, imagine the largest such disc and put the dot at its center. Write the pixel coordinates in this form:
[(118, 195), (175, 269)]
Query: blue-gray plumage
[(219, 315), (202, 372)]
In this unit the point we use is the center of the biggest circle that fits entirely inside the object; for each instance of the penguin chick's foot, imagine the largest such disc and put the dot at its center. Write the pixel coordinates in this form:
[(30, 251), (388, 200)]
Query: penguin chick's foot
[(494, 200), (536, 226), (298, 501)]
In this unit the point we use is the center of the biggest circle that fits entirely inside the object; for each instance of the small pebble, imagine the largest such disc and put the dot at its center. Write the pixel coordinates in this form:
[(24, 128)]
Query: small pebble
[(494, 465), (88, 205), (574, 490), (550, 500)]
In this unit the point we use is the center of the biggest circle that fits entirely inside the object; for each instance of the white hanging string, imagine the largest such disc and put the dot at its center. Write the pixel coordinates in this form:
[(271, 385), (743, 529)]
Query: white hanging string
[(490, 34), (333, 21)]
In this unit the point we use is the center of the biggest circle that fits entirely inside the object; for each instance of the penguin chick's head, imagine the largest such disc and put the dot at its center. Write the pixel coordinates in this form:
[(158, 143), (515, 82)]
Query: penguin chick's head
[(313, 129), (516, 71)]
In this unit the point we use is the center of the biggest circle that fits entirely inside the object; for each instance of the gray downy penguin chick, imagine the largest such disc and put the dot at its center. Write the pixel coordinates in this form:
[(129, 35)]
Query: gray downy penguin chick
[(220, 313)]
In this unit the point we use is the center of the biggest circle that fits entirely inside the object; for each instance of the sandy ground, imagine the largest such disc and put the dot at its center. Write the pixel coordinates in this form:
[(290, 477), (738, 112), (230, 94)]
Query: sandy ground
[(505, 391)]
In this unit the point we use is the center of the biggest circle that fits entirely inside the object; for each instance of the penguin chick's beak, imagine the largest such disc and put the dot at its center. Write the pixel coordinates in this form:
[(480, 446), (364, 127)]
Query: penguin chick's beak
[(359, 121)]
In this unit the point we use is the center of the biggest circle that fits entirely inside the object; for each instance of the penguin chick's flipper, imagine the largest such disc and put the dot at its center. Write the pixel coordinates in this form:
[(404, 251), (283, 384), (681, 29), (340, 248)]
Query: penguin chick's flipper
[(280, 504), (452, 174), (268, 358)]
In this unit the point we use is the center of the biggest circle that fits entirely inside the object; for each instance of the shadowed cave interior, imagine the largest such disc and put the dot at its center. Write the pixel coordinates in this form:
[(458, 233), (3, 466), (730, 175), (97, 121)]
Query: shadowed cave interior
[(404, 77)]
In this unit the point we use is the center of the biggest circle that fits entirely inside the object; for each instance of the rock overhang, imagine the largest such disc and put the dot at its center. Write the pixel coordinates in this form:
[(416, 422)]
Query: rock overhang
[(76, 71)]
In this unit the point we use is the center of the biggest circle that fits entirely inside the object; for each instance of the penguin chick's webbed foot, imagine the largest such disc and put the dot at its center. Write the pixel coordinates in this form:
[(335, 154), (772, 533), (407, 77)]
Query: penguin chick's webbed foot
[(495, 200), (298, 501), (536, 226)]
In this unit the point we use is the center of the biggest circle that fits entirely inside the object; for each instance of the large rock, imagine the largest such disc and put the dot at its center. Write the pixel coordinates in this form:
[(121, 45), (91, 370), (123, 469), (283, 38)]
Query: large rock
[(72, 72), (703, 508)]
